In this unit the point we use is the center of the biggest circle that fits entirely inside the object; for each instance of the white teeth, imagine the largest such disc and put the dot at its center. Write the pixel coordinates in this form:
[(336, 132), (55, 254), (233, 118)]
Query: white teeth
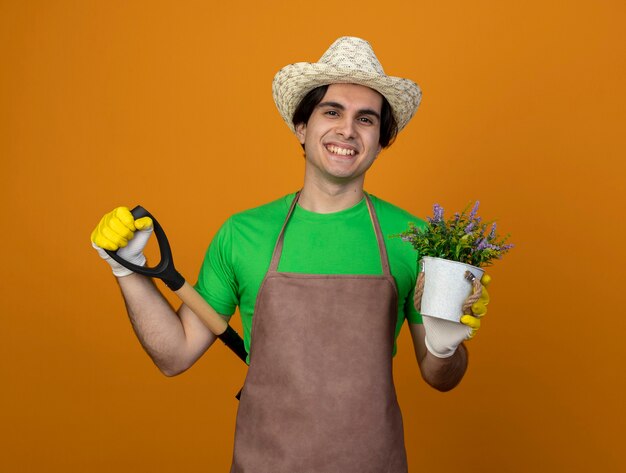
[(341, 151)]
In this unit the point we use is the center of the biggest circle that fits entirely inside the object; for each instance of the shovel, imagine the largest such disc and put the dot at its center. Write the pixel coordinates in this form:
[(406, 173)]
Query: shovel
[(166, 271)]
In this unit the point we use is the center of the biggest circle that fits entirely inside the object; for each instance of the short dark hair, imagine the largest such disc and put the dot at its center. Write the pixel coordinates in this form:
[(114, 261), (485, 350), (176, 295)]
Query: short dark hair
[(388, 124)]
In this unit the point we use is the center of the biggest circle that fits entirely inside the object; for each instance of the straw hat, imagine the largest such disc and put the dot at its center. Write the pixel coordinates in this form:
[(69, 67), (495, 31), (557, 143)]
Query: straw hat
[(348, 60)]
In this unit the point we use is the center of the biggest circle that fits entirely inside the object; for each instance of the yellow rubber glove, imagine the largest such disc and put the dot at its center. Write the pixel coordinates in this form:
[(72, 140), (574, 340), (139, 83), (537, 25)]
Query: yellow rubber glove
[(118, 230), (479, 308)]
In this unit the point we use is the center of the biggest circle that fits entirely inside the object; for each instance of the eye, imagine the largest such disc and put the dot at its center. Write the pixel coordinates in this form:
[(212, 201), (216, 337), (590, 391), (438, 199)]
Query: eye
[(332, 113), (366, 120)]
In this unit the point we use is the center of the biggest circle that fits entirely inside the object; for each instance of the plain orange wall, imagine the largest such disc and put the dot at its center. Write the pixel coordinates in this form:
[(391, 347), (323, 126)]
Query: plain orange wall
[(169, 104)]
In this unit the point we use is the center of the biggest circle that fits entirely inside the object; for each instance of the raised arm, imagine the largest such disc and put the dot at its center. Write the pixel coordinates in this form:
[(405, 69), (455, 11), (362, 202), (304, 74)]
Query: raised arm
[(173, 340)]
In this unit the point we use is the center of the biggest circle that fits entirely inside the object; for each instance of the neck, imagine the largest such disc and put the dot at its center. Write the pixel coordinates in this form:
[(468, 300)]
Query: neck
[(324, 197)]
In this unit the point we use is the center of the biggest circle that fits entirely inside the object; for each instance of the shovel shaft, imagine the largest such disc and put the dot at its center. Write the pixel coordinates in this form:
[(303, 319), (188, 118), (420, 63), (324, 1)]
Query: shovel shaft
[(213, 321)]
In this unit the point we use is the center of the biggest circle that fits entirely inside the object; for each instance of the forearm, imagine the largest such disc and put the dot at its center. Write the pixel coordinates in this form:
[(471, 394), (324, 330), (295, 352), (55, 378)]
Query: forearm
[(444, 374), (173, 341)]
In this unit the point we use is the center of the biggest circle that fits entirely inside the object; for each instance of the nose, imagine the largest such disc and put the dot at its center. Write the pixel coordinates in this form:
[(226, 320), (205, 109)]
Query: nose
[(345, 128)]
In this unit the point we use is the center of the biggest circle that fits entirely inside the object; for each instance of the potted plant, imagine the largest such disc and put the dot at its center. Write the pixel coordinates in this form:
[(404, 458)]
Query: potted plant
[(452, 253)]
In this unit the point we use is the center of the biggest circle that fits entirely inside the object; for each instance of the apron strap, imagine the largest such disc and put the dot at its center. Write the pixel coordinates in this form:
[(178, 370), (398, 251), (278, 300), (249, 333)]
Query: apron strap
[(384, 260), (278, 248)]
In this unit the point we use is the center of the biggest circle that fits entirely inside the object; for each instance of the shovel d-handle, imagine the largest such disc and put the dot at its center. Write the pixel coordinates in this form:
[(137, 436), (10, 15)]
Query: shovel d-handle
[(166, 271)]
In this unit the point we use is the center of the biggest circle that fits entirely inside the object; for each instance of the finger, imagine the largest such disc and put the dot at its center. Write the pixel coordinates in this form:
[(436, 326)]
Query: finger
[(484, 296), (125, 217), (471, 322), (143, 223), (116, 225), (105, 232), (102, 242), (479, 309)]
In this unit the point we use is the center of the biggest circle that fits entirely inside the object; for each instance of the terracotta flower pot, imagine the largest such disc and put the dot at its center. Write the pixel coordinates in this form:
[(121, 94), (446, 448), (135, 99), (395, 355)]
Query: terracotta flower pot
[(445, 287)]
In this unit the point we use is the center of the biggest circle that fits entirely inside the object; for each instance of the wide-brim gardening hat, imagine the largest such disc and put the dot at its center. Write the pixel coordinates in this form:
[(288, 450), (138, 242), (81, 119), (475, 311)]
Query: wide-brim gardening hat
[(349, 60)]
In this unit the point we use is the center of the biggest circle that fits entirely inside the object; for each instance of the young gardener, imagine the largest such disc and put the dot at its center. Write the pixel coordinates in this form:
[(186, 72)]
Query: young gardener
[(322, 289)]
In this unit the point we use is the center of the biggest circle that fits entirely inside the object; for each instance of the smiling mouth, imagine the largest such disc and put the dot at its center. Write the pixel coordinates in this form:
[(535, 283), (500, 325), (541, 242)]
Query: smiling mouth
[(340, 151)]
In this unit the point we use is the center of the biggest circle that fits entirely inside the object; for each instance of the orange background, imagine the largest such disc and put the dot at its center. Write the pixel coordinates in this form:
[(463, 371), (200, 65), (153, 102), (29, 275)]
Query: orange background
[(168, 104)]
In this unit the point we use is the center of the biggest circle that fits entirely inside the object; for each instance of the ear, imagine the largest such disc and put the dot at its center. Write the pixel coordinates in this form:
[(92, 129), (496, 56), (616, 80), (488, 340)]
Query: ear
[(301, 132)]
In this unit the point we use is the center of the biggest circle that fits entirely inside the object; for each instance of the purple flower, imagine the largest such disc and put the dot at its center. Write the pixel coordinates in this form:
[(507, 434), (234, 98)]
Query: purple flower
[(474, 210), (457, 216), (492, 233), (470, 227), (482, 244), (438, 213)]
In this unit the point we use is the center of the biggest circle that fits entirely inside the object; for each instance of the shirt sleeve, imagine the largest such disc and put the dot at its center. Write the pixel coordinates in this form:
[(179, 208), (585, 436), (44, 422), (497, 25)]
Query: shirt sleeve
[(411, 313), (217, 282)]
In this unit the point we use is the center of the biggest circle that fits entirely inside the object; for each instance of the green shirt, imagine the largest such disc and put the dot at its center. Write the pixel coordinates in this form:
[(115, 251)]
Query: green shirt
[(337, 243)]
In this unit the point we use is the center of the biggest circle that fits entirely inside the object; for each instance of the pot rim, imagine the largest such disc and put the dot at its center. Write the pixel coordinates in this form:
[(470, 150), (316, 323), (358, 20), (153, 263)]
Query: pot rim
[(465, 265)]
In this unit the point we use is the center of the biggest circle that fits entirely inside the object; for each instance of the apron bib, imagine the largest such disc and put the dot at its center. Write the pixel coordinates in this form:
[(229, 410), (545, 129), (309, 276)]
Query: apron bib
[(319, 394)]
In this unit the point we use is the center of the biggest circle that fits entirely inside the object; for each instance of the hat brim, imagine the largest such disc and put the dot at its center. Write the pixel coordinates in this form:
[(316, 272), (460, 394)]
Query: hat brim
[(294, 81)]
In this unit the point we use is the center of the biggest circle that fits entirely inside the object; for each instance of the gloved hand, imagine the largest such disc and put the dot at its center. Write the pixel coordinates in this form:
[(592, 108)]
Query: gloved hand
[(443, 336), (118, 229)]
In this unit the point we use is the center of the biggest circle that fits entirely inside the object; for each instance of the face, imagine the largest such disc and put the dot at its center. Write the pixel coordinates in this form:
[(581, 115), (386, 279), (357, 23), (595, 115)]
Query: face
[(341, 139)]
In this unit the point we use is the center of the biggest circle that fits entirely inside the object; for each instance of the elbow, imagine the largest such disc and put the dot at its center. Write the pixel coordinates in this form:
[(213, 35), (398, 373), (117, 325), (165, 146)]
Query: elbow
[(443, 386), (170, 372), (171, 368), (444, 374)]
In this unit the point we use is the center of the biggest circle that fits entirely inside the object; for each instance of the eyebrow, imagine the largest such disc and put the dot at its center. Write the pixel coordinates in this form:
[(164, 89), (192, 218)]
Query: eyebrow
[(364, 111)]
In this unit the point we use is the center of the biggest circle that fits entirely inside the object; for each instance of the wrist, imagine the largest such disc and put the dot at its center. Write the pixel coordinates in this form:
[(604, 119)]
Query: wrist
[(120, 271), (443, 336), (441, 351)]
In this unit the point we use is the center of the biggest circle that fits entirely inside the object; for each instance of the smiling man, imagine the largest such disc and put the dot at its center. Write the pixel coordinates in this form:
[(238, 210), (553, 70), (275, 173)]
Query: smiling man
[(341, 139), (322, 288)]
